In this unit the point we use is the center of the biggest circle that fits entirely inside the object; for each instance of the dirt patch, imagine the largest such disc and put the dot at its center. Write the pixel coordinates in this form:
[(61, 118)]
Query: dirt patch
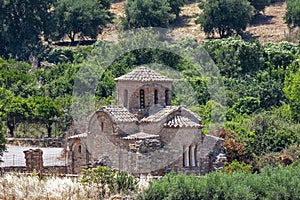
[(268, 27)]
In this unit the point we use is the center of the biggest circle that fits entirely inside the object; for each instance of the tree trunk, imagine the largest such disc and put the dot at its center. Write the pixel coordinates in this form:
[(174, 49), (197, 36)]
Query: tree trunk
[(49, 129), (11, 127), (72, 37)]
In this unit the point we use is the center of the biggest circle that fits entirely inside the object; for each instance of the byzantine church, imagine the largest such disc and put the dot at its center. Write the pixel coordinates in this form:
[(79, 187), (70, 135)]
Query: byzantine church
[(144, 133)]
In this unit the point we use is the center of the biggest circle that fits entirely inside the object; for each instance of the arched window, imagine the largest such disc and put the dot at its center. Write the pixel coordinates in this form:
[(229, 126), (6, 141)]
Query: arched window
[(125, 100), (189, 156), (79, 148), (155, 97), (167, 98), (186, 157), (142, 99), (102, 126)]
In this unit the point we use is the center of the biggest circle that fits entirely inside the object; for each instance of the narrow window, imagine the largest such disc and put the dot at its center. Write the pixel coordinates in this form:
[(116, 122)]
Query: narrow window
[(195, 155), (186, 158), (142, 99), (102, 126), (155, 97), (79, 148), (125, 100), (167, 97), (192, 156)]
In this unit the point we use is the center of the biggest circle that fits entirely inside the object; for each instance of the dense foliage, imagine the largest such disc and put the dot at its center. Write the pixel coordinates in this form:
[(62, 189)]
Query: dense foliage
[(21, 25), (270, 183), (225, 17)]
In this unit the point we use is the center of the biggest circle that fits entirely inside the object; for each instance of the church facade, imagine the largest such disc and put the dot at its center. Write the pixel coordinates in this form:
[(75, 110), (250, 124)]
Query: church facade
[(144, 133)]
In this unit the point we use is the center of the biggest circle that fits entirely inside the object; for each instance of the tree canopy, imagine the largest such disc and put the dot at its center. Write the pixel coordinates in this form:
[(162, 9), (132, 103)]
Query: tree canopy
[(225, 17), (150, 13), (82, 18), (259, 5), (292, 15), (21, 24)]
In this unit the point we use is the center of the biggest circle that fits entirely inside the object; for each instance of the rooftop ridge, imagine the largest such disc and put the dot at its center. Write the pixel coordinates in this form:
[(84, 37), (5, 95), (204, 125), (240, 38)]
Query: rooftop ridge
[(143, 74)]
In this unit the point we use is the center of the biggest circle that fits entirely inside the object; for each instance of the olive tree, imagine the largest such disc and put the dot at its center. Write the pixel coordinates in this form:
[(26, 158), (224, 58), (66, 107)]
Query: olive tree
[(225, 17), (82, 18), (151, 13)]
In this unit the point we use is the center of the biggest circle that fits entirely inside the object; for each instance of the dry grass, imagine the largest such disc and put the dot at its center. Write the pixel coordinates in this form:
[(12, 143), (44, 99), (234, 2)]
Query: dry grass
[(269, 27), (21, 187)]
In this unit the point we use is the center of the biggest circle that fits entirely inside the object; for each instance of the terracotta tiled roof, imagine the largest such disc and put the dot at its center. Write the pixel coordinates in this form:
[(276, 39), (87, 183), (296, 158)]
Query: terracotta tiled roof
[(180, 121), (143, 74), (140, 135), (119, 114), (160, 115)]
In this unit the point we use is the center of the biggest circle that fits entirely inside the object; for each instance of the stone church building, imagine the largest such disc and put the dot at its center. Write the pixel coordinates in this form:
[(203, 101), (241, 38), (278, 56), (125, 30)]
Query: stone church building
[(144, 133)]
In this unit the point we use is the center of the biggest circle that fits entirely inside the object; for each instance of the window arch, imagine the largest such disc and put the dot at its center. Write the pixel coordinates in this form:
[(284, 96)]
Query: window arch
[(142, 99)]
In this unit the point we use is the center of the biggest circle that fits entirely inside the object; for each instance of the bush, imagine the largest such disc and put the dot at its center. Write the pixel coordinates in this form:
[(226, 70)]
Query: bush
[(270, 183), (105, 177), (236, 166)]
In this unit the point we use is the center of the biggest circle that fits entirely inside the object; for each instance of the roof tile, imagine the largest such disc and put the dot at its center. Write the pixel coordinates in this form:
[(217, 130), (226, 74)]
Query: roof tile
[(143, 74), (180, 121), (120, 114)]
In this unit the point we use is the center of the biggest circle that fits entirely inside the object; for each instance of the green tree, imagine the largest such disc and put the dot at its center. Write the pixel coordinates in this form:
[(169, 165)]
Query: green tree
[(45, 111), (225, 17), (247, 105), (292, 15), (15, 76), (148, 13), (82, 18), (15, 110), (22, 22), (175, 6)]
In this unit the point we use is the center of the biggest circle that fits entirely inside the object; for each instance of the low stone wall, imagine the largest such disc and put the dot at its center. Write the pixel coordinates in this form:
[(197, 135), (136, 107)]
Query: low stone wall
[(46, 170), (18, 169), (42, 142)]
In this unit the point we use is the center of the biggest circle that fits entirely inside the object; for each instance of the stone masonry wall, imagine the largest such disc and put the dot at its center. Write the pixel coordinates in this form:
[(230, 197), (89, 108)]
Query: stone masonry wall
[(34, 160)]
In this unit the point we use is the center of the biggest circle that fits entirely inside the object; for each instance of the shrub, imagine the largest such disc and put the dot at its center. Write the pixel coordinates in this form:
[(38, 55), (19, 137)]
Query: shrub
[(236, 166), (270, 183), (104, 177)]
